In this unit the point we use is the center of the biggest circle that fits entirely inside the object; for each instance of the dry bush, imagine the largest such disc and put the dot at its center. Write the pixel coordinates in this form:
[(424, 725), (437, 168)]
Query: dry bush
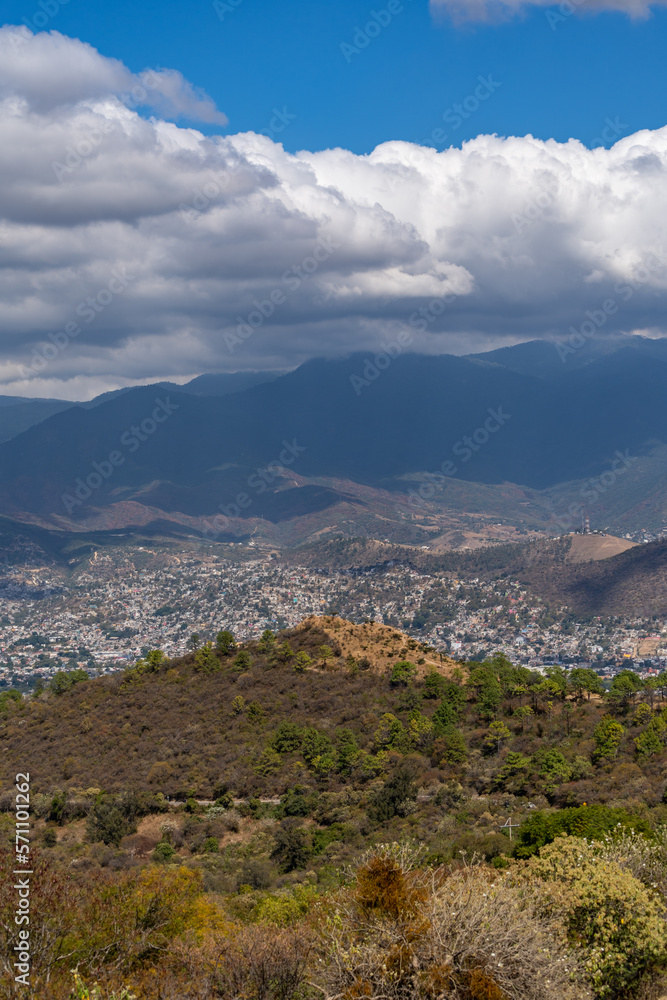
[(259, 962), (401, 933)]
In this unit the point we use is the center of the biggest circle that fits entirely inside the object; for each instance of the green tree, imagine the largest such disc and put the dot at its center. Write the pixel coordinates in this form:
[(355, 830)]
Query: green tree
[(450, 748), (434, 685), (497, 734), (589, 822), (287, 737), (205, 659), (225, 644), (242, 661), (107, 823), (326, 653), (402, 673), (267, 641), (607, 735), (582, 679), (282, 653), (291, 848), (522, 713), (554, 770), (153, 661), (624, 687), (57, 809), (63, 680), (301, 661), (347, 750), (315, 744), (652, 740), (558, 678), (194, 642)]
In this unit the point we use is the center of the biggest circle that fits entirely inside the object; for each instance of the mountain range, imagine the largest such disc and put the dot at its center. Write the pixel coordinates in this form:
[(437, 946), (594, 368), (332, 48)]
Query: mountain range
[(413, 447)]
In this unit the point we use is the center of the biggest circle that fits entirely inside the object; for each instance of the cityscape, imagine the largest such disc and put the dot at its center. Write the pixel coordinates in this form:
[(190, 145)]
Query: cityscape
[(118, 604)]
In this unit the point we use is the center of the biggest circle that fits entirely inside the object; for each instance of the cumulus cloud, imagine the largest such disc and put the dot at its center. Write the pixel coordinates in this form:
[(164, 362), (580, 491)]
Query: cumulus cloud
[(49, 70), (498, 10), (134, 249)]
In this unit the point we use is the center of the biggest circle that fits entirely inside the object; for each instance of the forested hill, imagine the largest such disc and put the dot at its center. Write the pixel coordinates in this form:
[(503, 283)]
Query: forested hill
[(305, 810), (331, 705)]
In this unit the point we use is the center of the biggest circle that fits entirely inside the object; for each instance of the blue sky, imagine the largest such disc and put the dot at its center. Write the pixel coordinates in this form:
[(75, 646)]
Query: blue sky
[(206, 246), (556, 81)]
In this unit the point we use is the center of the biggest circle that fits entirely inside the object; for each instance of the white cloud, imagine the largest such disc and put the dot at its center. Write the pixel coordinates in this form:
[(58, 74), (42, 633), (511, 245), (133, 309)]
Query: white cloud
[(498, 10), (50, 70), (159, 249)]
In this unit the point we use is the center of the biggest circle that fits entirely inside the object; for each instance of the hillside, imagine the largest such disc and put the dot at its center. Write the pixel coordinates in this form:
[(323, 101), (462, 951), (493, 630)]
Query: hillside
[(591, 574), (190, 724), (441, 450), (205, 815)]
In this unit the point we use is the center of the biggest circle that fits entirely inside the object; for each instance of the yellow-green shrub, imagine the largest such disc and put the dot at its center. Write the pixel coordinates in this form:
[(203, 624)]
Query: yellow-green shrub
[(614, 923)]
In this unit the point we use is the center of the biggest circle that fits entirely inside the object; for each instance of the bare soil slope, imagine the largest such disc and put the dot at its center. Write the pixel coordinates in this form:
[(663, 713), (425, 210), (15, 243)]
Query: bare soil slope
[(585, 548), (381, 644)]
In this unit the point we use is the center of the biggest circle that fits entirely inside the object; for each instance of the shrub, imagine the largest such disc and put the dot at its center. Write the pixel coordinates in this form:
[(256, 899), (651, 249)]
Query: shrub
[(590, 822), (260, 962), (294, 803), (211, 845), (57, 809), (9, 699), (288, 907), (396, 797), (258, 873), (400, 933), (612, 920), (82, 992), (402, 673), (163, 852), (107, 823), (291, 848)]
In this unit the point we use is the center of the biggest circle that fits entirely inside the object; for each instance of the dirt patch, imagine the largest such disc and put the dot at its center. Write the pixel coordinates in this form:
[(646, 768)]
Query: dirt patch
[(587, 548), (382, 645)]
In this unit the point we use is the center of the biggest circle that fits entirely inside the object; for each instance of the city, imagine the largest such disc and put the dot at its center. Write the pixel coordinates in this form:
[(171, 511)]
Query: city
[(120, 603)]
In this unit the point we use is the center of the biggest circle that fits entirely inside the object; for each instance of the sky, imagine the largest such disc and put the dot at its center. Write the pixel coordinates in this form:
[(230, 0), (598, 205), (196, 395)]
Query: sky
[(240, 184)]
